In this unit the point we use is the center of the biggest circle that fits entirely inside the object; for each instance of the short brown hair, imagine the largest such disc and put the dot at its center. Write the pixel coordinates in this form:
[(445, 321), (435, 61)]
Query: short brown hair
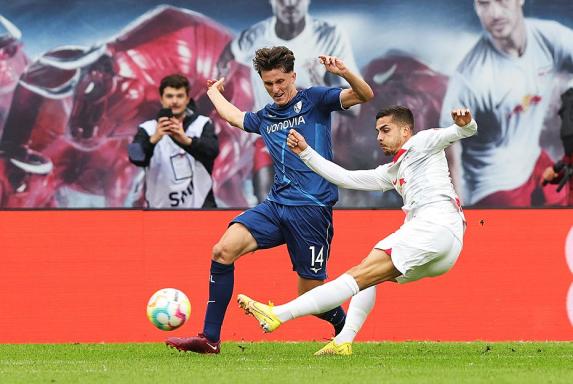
[(176, 81), (267, 59), (399, 114)]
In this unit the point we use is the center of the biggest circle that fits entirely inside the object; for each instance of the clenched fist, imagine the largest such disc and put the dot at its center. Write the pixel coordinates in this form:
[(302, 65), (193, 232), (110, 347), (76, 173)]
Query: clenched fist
[(296, 142), (461, 116)]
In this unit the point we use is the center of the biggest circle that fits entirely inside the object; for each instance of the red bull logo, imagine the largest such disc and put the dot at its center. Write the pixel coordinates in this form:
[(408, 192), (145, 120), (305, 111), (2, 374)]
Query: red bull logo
[(526, 103)]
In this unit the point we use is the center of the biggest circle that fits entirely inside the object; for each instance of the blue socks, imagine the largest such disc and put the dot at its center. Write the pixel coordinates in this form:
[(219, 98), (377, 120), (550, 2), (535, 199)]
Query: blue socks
[(336, 317), (221, 283)]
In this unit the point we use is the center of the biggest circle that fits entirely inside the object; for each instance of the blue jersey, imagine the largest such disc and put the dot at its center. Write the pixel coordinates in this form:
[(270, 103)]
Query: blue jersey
[(309, 114)]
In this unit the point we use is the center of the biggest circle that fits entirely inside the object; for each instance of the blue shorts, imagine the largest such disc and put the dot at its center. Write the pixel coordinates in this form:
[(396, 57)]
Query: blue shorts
[(306, 230)]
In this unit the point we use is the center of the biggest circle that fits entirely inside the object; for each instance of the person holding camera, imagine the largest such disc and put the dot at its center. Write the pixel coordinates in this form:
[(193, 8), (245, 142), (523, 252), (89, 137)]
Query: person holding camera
[(177, 150)]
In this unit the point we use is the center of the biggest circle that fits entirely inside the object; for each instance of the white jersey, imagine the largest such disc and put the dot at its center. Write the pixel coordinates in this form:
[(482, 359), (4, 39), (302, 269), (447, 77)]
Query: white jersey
[(419, 173), (317, 38), (509, 97), (174, 178)]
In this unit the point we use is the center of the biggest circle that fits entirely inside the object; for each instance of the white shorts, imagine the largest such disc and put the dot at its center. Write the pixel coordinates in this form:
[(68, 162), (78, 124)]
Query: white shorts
[(421, 248)]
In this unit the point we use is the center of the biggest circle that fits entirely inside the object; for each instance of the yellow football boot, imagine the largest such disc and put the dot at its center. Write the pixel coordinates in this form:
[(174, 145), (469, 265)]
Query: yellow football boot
[(344, 349), (263, 313)]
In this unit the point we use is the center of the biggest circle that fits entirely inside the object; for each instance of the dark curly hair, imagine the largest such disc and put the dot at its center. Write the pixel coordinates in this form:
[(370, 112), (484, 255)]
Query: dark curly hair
[(267, 59)]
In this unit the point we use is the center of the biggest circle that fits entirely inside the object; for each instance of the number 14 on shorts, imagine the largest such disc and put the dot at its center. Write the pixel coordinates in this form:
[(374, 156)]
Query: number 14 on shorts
[(316, 260)]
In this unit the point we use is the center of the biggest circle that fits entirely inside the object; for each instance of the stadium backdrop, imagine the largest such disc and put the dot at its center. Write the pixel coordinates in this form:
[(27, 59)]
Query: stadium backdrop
[(88, 77)]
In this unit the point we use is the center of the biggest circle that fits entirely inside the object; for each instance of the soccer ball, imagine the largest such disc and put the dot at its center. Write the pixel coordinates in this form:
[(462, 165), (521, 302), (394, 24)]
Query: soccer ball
[(168, 309)]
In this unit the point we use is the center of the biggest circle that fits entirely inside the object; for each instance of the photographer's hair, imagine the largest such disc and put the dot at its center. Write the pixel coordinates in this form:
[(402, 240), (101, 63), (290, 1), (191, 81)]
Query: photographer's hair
[(267, 59), (399, 114), (176, 81)]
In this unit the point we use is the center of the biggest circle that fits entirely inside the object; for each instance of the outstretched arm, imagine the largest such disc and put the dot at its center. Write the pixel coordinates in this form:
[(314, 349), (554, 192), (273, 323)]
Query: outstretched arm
[(226, 110), (364, 180), (359, 91), (464, 127)]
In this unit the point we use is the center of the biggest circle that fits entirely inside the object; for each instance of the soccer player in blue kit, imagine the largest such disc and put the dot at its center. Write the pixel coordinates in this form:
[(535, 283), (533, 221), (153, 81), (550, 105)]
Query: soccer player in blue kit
[(298, 209)]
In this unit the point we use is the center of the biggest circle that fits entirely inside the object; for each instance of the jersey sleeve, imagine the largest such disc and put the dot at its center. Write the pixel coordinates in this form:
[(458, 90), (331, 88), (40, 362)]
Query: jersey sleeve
[(439, 138), (363, 180), (252, 122), (326, 98)]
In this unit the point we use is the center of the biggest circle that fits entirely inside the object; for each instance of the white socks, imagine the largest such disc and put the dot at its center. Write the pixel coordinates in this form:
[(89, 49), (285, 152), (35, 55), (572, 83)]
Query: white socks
[(329, 296), (319, 299), (360, 307)]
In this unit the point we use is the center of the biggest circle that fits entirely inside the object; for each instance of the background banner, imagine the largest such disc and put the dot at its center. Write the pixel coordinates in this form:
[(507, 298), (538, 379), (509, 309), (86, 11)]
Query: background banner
[(78, 77), (86, 276)]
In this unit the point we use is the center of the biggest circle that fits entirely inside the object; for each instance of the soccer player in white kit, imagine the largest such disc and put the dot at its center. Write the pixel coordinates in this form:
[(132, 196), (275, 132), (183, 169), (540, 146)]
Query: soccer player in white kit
[(506, 80), (426, 245)]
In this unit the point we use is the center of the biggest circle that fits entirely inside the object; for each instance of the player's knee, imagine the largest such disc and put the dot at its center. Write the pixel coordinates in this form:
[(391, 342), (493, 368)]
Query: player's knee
[(223, 254), (368, 273), (359, 275)]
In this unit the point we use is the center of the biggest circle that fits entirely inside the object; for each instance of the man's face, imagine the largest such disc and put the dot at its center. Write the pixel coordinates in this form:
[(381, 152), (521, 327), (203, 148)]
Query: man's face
[(290, 11), (391, 136), (176, 99), (280, 85), (500, 17)]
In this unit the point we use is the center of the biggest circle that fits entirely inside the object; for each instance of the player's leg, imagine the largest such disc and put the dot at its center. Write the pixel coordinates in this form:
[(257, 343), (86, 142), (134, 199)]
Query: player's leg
[(377, 267), (335, 316), (309, 233), (419, 249), (418, 254), (360, 306), (432, 253), (235, 242), (253, 229)]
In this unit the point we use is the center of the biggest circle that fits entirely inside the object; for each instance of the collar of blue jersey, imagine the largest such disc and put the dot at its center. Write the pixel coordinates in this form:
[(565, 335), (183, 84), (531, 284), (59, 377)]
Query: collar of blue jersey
[(290, 103)]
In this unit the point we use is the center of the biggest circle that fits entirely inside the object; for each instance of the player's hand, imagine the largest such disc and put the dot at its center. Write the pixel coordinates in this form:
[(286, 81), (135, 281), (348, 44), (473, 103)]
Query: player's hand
[(216, 84), (461, 116), (333, 64), (296, 142)]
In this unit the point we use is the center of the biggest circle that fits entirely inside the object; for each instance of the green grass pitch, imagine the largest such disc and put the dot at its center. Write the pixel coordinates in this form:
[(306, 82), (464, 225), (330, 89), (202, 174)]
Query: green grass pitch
[(406, 362)]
